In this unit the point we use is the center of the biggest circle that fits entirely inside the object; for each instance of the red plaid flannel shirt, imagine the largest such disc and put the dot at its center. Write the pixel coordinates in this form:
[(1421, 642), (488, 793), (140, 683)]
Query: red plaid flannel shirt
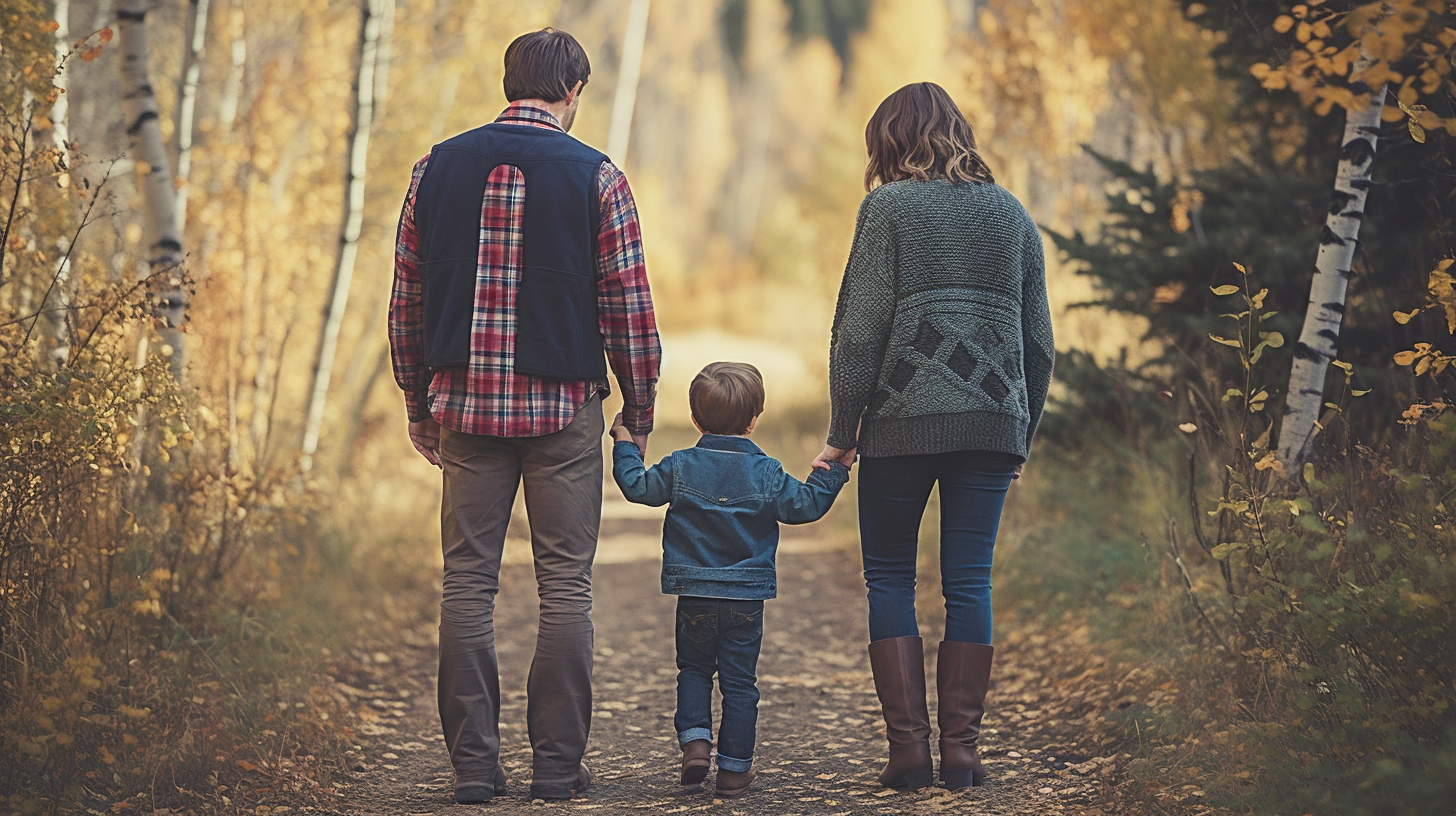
[(488, 397)]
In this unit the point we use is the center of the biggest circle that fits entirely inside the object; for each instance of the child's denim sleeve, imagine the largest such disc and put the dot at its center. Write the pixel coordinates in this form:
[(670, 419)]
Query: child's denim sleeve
[(802, 502), (639, 483)]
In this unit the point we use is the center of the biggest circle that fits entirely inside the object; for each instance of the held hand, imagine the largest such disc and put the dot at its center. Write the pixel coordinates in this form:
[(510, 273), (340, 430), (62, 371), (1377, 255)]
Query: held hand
[(425, 435), (1017, 474), (619, 430), (620, 433), (833, 454)]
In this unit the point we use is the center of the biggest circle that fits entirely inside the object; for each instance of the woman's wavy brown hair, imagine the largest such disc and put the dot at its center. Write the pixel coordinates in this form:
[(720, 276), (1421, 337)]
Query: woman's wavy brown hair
[(919, 133)]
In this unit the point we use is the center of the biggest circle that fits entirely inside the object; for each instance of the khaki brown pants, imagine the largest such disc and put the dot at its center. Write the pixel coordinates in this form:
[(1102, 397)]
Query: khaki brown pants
[(562, 474)]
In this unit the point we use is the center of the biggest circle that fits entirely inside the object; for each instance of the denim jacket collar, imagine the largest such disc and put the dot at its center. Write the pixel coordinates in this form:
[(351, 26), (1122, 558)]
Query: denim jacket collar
[(729, 444)]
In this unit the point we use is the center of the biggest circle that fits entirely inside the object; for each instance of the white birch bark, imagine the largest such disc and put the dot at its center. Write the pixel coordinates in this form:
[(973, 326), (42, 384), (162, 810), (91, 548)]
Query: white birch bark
[(154, 178), (634, 38), (1320, 338), (57, 306), (195, 42), (232, 89), (364, 92)]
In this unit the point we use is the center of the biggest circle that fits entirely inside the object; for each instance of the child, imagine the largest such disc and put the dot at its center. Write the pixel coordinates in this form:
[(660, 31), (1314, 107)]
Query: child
[(725, 500)]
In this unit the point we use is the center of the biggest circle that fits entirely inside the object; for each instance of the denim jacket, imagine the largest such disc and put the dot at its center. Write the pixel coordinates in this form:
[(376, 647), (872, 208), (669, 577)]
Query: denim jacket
[(725, 500)]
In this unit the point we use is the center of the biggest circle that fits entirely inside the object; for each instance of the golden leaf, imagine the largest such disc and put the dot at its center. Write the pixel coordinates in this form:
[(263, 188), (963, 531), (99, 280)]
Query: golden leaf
[(1416, 131), (1405, 317), (1283, 23), (1226, 289), (1188, 427), (1405, 358)]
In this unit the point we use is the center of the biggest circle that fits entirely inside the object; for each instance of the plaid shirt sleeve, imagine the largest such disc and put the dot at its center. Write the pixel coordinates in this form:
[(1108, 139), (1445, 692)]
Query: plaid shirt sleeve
[(624, 302), (406, 309)]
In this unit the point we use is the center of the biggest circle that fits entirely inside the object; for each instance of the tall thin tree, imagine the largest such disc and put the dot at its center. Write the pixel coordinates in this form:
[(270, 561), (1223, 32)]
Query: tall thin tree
[(57, 305), (374, 13), (159, 193), (194, 43), (1319, 340), (634, 38)]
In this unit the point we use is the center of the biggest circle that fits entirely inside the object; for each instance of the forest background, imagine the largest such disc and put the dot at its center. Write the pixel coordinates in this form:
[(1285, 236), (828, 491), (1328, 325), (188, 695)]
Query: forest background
[(181, 558)]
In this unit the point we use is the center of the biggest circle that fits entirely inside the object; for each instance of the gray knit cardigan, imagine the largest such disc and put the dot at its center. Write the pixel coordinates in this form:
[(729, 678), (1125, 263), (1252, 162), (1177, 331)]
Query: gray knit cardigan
[(942, 336)]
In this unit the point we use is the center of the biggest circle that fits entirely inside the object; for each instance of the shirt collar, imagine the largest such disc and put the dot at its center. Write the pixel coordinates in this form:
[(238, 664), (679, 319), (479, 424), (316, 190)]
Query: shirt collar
[(520, 113), (730, 444)]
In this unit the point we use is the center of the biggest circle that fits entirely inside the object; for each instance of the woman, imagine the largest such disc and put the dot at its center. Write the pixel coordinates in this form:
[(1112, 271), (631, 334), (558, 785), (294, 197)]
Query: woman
[(939, 366)]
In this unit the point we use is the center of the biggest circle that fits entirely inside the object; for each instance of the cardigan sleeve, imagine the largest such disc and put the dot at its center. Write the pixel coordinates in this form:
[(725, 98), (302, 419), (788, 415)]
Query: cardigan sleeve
[(1038, 349), (862, 320)]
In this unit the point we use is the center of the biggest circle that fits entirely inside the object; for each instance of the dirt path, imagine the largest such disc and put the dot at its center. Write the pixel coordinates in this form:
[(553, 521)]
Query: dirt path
[(819, 729)]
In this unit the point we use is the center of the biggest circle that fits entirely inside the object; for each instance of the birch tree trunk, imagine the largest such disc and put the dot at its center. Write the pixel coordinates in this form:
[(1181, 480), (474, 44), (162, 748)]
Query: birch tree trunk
[(1320, 338), (634, 38), (232, 89), (58, 306), (364, 93), (196, 41), (154, 176)]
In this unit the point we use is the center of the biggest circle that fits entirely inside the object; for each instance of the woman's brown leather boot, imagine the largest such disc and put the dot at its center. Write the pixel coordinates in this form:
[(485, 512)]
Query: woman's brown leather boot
[(899, 668), (962, 676)]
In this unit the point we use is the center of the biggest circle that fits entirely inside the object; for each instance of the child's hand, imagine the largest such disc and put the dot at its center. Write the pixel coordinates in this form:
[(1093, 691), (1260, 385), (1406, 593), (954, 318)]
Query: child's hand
[(619, 430), (831, 454)]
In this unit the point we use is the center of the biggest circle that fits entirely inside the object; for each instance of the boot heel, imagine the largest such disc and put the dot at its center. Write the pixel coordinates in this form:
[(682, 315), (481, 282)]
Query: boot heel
[(961, 778), (914, 780)]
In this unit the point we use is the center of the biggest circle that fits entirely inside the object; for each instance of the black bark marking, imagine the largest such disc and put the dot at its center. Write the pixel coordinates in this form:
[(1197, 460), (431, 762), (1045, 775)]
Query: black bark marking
[(1358, 151), (1354, 215), (136, 126), (167, 245), (1345, 273), (1330, 335), (1312, 392), (131, 16), (1334, 307), (1362, 184), (1339, 201), (1304, 352), (1328, 236)]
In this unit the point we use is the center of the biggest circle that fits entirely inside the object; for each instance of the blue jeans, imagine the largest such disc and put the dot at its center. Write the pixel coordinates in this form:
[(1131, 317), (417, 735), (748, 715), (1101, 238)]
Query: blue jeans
[(723, 637), (893, 492)]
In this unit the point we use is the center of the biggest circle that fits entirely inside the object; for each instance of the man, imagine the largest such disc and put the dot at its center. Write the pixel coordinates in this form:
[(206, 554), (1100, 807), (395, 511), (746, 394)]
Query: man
[(518, 263)]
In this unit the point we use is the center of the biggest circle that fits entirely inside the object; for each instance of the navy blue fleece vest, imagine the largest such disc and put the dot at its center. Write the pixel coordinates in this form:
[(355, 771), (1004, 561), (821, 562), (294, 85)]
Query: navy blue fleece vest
[(557, 335)]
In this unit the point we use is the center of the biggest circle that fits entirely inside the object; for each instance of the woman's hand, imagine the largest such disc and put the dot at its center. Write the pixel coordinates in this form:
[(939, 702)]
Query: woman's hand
[(833, 454)]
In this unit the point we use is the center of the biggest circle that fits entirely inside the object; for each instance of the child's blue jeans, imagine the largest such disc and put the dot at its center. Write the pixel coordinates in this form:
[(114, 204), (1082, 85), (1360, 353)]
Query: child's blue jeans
[(719, 636), (893, 492)]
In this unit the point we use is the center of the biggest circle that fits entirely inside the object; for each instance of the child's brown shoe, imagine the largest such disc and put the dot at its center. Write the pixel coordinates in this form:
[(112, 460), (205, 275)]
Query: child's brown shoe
[(733, 783), (697, 756)]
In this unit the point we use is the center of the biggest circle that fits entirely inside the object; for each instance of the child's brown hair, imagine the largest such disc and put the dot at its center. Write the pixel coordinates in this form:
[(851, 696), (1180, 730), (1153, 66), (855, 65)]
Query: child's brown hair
[(725, 398)]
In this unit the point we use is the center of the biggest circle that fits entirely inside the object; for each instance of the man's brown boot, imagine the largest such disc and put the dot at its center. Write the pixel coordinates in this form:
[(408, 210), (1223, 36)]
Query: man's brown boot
[(899, 668), (961, 678), (697, 756), (733, 783)]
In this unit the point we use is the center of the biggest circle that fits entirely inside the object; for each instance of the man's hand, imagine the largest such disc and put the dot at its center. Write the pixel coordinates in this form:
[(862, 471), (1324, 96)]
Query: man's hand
[(833, 454), (621, 434), (1017, 474), (425, 435)]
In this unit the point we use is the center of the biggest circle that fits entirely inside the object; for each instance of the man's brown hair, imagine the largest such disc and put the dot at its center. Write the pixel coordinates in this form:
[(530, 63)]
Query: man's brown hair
[(919, 133), (544, 65), (725, 397)]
